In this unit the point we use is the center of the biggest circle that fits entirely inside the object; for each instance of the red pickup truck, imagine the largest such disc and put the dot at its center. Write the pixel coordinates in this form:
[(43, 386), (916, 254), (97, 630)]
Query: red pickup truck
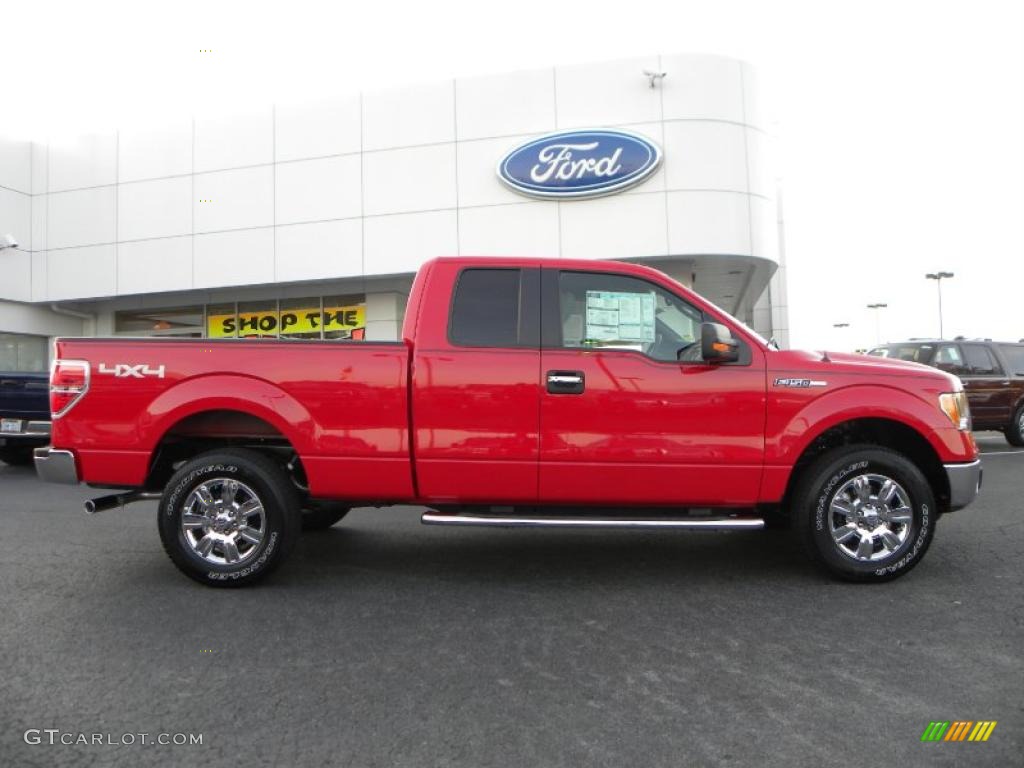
[(524, 392)]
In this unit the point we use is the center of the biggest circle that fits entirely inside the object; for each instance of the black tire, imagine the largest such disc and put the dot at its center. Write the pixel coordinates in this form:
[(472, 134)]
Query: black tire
[(262, 481), (16, 456), (1015, 429), (321, 515), (823, 480)]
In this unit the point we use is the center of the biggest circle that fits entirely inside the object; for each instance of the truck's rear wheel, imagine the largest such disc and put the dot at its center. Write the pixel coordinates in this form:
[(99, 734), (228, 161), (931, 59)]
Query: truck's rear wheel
[(865, 513), (321, 515), (229, 517)]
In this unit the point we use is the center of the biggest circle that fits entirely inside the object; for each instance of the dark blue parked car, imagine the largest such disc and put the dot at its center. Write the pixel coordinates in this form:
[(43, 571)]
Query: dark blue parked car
[(24, 415)]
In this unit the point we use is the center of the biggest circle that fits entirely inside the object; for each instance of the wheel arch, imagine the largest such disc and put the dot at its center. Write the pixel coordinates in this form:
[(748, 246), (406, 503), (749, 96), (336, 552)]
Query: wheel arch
[(885, 432), (186, 420)]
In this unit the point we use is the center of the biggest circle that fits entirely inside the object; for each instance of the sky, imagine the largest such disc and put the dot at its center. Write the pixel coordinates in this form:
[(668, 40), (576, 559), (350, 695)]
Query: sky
[(900, 124)]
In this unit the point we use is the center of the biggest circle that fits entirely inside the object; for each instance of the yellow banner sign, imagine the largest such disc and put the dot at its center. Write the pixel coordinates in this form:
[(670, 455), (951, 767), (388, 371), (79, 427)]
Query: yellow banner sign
[(273, 323)]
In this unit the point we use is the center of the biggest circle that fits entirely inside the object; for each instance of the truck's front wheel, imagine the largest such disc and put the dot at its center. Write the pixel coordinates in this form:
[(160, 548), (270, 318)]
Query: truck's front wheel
[(229, 517), (864, 512)]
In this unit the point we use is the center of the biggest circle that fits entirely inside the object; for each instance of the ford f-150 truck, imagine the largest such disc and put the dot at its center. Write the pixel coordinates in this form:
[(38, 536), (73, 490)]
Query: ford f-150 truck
[(524, 392)]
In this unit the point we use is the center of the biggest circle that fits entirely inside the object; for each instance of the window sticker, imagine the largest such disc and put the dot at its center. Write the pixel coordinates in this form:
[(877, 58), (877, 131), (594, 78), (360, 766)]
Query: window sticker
[(619, 316)]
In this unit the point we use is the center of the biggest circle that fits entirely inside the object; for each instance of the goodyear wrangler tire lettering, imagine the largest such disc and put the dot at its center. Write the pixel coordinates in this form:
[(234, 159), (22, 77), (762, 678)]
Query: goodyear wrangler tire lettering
[(864, 513), (229, 517)]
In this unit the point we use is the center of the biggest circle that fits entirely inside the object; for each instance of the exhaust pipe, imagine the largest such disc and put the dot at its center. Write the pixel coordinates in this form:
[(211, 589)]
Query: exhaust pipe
[(103, 503)]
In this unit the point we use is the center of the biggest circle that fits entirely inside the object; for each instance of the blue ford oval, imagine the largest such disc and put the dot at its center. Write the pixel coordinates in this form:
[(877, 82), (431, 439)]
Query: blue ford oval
[(577, 164)]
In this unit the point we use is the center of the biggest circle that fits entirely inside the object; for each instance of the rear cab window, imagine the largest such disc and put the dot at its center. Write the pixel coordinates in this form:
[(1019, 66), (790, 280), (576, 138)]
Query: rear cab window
[(496, 307)]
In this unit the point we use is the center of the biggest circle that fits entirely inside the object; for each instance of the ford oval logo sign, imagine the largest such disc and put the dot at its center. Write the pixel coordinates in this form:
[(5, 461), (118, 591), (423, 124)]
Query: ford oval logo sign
[(575, 164)]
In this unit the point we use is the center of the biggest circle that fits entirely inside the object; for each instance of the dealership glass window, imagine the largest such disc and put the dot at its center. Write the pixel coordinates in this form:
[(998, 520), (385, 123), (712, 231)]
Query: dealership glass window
[(177, 321), (258, 319), (485, 311), (221, 321), (22, 352), (344, 317), (301, 318), (331, 317), (618, 312)]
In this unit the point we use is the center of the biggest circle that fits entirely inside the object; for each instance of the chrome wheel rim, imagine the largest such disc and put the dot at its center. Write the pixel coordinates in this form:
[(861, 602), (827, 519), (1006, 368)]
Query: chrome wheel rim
[(870, 517), (223, 521), (1020, 425)]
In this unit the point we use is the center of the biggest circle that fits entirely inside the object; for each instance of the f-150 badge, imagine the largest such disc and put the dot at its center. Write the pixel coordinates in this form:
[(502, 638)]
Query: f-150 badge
[(799, 383), (126, 371)]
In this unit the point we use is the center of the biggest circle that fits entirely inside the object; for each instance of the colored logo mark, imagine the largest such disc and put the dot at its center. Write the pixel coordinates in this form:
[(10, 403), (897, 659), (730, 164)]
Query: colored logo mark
[(959, 730), (579, 164)]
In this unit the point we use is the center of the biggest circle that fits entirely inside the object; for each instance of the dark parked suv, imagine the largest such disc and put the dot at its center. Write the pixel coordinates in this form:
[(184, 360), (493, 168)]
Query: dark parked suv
[(992, 373), (24, 415)]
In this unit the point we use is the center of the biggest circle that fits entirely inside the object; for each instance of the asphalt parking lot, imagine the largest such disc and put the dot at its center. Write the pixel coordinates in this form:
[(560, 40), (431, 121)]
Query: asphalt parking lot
[(386, 643)]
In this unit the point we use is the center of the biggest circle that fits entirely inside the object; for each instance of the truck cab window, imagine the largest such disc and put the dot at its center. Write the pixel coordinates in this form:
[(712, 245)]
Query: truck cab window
[(485, 309), (619, 312)]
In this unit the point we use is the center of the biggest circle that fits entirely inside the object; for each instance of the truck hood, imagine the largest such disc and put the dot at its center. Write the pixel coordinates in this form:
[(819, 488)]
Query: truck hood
[(864, 365)]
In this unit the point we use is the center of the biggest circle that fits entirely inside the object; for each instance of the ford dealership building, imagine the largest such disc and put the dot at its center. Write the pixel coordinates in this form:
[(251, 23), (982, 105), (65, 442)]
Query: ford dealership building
[(309, 220)]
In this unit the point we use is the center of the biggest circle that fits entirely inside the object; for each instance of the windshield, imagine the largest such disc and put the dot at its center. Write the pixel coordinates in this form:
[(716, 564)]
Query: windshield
[(915, 353)]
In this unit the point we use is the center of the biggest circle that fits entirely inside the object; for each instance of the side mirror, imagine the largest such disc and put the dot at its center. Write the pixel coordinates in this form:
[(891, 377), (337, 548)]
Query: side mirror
[(717, 344)]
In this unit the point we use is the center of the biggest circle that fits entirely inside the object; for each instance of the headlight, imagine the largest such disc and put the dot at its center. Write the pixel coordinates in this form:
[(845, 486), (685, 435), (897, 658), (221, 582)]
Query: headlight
[(954, 405)]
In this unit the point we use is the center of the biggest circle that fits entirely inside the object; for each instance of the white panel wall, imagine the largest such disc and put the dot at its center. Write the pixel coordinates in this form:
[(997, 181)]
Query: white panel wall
[(234, 199), (521, 229), (160, 208), (317, 130), (316, 190), (628, 226), (16, 217), (505, 105), (87, 272), (91, 161), (705, 155), (702, 88), (402, 242), (319, 251), (220, 258), (154, 266), (82, 217), (708, 223), (155, 153), (234, 141), (16, 165), (610, 93), (376, 183), (412, 179), (402, 117)]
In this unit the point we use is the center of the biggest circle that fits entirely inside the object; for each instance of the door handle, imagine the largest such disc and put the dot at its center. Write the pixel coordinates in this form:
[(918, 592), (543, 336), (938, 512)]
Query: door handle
[(566, 382)]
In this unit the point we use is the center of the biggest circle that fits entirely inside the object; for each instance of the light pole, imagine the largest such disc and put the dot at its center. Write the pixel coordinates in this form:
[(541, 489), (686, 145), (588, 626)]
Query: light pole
[(937, 277), (878, 327)]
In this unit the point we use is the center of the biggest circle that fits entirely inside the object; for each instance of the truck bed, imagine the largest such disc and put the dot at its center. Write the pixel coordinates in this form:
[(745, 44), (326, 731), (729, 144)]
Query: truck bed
[(341, 405)]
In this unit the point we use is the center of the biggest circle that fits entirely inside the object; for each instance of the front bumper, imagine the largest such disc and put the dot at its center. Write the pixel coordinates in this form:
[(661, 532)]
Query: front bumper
[(964, 483), (54, 465)]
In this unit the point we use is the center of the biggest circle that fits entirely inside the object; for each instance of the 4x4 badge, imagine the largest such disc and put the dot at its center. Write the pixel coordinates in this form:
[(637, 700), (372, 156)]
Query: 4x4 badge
[(800, 383)]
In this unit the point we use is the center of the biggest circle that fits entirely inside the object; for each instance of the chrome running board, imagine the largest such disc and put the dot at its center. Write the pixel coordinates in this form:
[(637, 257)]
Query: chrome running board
[(697, 523)]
